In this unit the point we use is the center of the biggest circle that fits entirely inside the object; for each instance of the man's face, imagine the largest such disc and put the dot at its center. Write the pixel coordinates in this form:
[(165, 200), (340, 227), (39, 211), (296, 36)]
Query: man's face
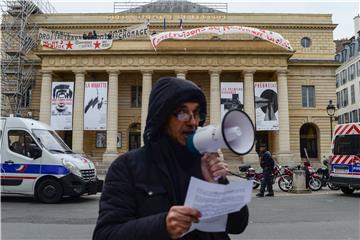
[(177, 127), (262, 149)]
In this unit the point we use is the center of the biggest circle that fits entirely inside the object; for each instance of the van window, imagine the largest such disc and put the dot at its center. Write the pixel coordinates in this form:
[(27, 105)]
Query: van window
[(51, 141), (347, 145), (20, 142)]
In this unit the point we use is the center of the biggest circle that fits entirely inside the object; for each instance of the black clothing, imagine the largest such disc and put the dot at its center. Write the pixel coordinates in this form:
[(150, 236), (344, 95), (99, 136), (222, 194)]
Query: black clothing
[(267, 164), (142, 185), (266, 181), (266, 160)]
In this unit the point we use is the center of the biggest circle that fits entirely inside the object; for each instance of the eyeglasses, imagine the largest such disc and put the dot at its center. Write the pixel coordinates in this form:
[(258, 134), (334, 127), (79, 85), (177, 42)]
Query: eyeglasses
[(185, 116)]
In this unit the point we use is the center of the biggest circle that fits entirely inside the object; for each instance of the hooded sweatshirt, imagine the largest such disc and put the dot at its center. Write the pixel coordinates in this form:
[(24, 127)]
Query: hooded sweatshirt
[(143, 184)]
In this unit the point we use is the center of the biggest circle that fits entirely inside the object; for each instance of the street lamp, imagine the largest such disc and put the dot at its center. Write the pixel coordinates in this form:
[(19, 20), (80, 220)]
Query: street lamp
[(330, 109)]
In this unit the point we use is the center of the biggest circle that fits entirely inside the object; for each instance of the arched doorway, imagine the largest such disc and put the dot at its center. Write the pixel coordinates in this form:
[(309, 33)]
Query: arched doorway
[(134, 136), (309, 140)]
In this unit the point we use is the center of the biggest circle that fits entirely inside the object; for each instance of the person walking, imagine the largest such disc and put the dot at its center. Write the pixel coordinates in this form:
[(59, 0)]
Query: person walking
[(267, 164)]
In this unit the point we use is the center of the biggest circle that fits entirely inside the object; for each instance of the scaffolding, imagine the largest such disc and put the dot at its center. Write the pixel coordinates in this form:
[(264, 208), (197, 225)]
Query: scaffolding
[(18, 39)]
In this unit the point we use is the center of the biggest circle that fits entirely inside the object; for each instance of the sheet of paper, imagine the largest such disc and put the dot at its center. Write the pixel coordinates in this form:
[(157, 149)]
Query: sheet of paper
[(215, 201)]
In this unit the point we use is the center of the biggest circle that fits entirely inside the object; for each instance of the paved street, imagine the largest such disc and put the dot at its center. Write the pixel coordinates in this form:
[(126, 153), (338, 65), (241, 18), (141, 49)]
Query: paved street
[(321, 215)]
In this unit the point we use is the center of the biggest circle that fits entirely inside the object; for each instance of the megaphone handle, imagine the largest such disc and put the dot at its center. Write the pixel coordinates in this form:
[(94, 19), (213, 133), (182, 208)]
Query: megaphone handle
[(223, 180)]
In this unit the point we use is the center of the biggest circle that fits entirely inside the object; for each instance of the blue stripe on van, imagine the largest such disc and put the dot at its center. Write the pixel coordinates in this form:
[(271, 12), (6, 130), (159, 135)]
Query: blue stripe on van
[(352, 167), (34, 169)]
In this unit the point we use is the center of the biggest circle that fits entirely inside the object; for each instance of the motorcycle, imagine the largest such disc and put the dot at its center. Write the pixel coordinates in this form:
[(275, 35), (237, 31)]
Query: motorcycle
[(283, 174), (313, 179), (249, 173), (323, 172), (285, 181)]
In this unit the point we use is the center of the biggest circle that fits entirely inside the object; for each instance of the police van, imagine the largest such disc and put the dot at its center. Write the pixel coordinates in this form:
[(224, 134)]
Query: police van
[(35, 161), (345, 159)]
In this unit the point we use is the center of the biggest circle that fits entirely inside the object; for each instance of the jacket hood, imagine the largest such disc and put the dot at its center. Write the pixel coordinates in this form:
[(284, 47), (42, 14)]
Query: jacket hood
[(168, 94)]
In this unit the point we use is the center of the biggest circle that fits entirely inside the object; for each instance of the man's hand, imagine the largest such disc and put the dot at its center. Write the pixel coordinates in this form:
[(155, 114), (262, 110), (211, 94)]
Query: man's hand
[(179, 220), (213, 167)]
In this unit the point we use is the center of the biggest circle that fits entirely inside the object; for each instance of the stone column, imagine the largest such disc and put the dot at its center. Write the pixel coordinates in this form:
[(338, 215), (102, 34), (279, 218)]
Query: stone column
[(215, 108), (181, 74), (249, 107), (146, 89), (112, 118), (78, 113), (284, 154), (45, 98)]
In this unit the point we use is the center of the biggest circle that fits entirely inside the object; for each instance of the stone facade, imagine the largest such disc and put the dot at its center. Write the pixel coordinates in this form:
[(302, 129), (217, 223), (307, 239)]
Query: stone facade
[(205, 60)]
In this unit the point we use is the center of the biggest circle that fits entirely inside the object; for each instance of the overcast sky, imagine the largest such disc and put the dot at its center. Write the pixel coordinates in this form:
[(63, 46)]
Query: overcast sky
[(343, 11)]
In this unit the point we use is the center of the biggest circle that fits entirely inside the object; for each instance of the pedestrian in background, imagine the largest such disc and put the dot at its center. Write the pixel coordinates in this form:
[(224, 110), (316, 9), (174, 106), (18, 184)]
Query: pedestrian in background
[(267, 164)]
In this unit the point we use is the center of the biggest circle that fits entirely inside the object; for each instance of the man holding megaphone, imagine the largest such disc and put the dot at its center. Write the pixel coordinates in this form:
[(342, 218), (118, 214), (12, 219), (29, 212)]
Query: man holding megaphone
[(145, 189)]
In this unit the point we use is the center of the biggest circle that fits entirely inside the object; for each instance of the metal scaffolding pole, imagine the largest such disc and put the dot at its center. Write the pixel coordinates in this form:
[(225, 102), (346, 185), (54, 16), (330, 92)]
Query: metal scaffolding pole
[(18, 39)]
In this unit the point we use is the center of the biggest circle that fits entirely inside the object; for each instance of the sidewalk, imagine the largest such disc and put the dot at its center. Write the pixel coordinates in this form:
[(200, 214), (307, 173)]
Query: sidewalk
[(277, 190), (280, 193)]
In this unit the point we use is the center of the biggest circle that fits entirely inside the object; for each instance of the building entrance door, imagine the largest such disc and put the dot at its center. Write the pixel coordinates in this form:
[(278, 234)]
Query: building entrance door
[(134, 136), (262, 137)]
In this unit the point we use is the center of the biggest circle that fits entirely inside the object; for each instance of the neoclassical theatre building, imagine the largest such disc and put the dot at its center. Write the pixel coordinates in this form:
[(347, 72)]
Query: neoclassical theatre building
[(126, 66)]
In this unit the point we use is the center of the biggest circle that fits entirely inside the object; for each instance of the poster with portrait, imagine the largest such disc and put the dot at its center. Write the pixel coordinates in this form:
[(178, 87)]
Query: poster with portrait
[(232, 96), (62, 96), (266, 105), (101, 139), (118, 140), (95, 105)]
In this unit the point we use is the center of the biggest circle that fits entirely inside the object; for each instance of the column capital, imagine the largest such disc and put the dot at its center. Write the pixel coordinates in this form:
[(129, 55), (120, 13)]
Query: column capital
[(248, 71), (282, 72), (215, 71), (144, 72), (46, 72), (181, 71), (79, 72), (113, 72)]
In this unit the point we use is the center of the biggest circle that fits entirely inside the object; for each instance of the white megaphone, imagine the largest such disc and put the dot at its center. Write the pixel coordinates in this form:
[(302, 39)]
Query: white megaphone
[(235, 132)]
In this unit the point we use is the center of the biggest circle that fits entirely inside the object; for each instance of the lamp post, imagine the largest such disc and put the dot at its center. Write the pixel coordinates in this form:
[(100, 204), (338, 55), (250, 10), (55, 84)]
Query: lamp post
[(330, 109)]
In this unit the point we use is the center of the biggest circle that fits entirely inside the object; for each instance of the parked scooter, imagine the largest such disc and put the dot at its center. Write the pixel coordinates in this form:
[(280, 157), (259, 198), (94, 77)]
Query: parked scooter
[(324, 174)]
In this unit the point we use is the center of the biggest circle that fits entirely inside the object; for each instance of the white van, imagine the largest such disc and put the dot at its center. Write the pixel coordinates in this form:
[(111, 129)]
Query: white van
[(35, 161), (345, 159)]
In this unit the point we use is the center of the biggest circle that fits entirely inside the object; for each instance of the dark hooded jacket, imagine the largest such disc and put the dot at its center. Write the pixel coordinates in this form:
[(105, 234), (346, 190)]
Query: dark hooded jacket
[(142, 185)]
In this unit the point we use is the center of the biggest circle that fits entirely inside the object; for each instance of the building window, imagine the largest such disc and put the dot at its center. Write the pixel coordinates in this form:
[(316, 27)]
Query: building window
[(345, 97), (305, 42), (26, 99), (355, 116), (136, 92), (339, 119), (338, 58), (344, 77), (308, 96), (343, 55), (338, 99), (352, 71), (352, 91), (351, 50), (337, 79), (346, 117)]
